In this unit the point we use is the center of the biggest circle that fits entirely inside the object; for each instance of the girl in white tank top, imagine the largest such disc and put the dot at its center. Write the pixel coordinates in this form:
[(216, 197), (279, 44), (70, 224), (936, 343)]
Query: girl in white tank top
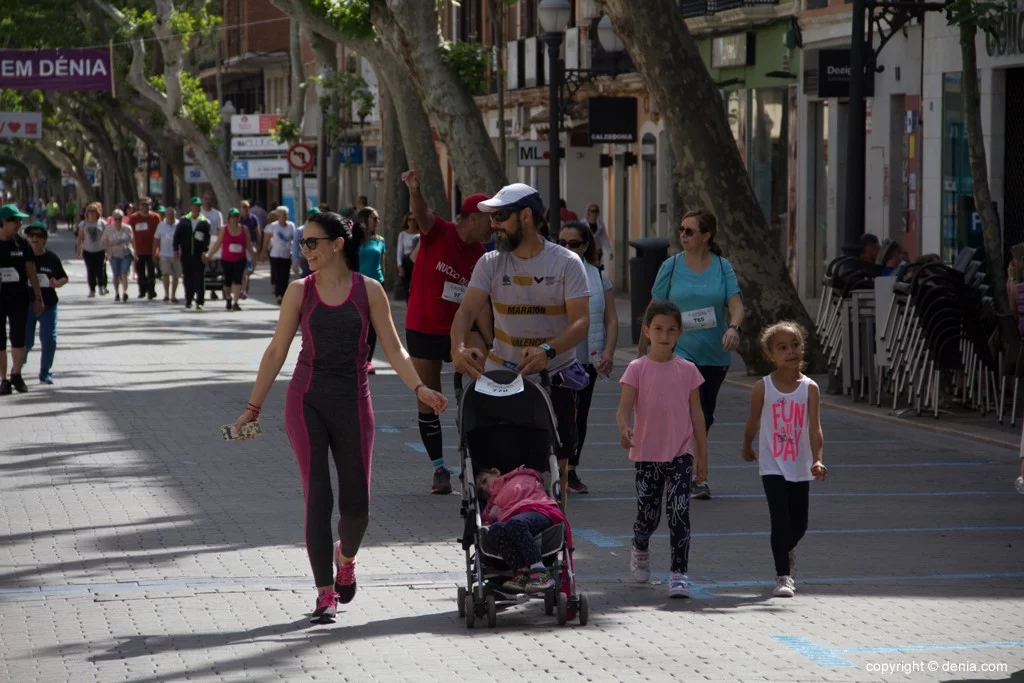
[(785, 410)]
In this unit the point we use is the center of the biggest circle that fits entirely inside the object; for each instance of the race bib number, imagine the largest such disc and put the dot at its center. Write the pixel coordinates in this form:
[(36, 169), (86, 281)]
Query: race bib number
[(44, 280), (489, 387), (9, 275), (200, 237), (700, 319), (142, 227), (235, 248), (453, 292)]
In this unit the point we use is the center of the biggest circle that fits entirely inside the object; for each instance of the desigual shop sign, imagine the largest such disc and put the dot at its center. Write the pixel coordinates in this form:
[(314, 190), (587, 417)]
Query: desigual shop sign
[(1008, 37)]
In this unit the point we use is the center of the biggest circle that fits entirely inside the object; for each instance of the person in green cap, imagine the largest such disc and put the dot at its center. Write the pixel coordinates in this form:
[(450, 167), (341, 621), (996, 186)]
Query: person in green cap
[(19, 288), (51, 278), (191, 239), (234, 239), (72, 211)]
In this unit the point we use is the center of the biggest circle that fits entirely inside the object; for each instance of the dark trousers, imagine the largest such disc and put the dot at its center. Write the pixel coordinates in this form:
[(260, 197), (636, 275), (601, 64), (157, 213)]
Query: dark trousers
[(670, 480), (95, 269), (713, 376), (583, 400), (146, 270), (194, 274), (788, 503), (563, 401), (280, 271), (514, 538)]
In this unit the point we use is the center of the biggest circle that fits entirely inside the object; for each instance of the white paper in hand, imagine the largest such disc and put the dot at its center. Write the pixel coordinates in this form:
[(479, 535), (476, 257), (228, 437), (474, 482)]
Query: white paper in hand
[(489, 387)]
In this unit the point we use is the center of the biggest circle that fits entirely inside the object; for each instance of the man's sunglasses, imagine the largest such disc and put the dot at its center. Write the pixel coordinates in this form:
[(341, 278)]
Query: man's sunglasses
[(502, 215), (571, 244), (687, 232), (310, 242)]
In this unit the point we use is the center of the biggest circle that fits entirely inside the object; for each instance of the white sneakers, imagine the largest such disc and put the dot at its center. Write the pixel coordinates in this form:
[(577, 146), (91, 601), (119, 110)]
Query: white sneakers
[(678, 585), (784, 587), (640, 565)]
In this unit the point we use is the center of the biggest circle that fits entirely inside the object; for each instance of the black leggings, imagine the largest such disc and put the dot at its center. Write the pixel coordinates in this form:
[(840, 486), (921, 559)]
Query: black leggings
[(583, 400), (95, 269), (280, 272), (670, 480), (563, 401), (788, 502), (713, 376)]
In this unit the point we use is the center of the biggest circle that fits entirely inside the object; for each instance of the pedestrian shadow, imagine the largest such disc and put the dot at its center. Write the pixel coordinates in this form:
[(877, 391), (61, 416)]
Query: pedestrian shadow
[(1015, 677)]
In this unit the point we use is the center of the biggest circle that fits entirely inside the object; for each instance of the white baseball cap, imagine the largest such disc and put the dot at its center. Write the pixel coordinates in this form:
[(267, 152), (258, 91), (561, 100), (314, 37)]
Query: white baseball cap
[(514, 196)]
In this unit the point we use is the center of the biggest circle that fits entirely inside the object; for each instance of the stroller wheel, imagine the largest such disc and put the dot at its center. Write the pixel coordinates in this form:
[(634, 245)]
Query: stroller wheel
[(492, 612), (584, 609), (461, 600), (470, 610), (549, 602), (563, 609)]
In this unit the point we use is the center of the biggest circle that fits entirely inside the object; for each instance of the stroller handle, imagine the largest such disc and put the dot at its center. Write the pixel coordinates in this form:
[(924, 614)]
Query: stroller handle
[(545, 381)]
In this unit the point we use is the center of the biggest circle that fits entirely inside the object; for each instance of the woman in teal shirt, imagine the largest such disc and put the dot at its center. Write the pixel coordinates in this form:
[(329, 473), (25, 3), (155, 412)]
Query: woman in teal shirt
[(371, 264), (703, 285)]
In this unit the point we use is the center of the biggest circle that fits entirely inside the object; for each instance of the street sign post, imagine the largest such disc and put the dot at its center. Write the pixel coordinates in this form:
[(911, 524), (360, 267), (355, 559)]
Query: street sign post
[(301, 159)]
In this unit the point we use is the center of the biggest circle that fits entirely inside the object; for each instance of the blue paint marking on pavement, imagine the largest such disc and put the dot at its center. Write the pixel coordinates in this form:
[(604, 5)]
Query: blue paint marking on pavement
[(829, 656), (830, 532), (416, 446), (760, 496), (599, 539), (388, 429)]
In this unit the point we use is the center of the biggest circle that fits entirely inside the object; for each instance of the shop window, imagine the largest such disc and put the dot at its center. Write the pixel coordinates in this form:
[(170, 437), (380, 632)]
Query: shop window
[(957, 184), (649, 154)]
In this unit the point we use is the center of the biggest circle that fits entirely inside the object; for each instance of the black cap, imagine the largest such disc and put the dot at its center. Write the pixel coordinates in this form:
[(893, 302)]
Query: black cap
[(868, 239)]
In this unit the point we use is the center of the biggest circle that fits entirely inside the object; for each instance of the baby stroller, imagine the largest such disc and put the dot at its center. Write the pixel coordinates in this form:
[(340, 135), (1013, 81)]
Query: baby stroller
[(506, 425)]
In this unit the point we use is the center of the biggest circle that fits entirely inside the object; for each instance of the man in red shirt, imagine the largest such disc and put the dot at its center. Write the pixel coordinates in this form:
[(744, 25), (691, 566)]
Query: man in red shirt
[(144, 224), (447, 254)]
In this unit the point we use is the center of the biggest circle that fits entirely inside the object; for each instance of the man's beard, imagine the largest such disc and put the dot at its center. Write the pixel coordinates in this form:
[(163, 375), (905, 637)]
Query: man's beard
[(508, 242)]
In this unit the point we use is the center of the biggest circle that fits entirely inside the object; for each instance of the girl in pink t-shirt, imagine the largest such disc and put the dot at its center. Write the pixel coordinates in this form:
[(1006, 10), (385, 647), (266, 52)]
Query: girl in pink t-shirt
[(668, 442)]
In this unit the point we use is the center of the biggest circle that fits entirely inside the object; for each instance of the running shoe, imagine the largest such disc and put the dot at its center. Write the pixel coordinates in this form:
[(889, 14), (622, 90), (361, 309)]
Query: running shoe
[(236, 307), (345, 579), (575, 485), (92, 295), (539, 581), (188, 306), (640, 565), (18, 383), (46, 379), (228, 302), (516, 584), (678, 585), (199, 308), (701, 490), (784, 587), (5, 388), (442, 484), (326, 608), (166, 299)]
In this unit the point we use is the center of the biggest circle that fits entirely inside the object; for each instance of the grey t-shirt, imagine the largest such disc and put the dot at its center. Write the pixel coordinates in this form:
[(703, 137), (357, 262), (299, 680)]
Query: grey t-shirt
[(528, 299)]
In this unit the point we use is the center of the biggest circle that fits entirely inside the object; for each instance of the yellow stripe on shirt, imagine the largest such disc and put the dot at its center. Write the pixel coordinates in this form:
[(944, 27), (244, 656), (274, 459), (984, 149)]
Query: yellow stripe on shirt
[(518, 342), (527, 309)]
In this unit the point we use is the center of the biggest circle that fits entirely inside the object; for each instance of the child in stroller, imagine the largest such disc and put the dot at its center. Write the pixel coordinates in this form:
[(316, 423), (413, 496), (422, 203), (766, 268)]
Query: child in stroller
[(517, 509)]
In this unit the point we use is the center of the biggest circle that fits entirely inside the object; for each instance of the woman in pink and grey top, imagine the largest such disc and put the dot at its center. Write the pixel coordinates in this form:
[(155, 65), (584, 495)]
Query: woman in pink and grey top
[(328, 406)]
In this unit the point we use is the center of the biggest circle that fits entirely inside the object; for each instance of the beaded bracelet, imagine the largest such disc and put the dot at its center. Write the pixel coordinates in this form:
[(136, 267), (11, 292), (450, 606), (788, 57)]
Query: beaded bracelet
[(256, 410)]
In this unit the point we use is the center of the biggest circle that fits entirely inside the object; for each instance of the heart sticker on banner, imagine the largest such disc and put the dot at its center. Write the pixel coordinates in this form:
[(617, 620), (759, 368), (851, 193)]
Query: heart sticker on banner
[(14, 126)]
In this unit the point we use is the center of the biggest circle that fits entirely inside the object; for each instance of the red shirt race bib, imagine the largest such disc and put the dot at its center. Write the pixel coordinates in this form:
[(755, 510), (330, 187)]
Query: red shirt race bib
[(443, 268)]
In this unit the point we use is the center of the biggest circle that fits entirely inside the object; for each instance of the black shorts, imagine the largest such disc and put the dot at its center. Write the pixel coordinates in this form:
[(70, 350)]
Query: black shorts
[(233, 272), (13, 316), (429, 346)]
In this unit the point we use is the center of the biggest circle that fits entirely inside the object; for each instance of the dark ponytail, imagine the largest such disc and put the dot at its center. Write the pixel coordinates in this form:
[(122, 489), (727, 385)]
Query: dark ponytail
[(334, 226)]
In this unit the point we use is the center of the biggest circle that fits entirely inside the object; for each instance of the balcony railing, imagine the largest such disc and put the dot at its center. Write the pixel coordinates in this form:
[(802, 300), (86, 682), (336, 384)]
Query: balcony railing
[(697, 8)]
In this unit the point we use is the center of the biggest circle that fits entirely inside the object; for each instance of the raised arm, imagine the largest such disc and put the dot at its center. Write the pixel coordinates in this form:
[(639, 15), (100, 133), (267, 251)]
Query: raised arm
[(417, 204)]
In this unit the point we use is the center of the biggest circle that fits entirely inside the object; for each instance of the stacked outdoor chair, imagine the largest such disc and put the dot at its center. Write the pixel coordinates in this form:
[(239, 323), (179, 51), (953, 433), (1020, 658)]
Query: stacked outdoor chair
[(845, 279)]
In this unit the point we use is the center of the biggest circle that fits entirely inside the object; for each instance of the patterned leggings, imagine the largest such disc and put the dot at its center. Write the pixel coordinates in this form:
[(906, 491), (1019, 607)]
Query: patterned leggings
[(514, 538), (653, 479)]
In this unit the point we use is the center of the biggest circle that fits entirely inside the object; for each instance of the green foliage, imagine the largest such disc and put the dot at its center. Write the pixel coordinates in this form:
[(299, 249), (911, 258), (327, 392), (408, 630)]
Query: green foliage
[(348, 88), (468, 61), (195, 106), (350, 17), (286, 131), (978, 15), (187, 24)]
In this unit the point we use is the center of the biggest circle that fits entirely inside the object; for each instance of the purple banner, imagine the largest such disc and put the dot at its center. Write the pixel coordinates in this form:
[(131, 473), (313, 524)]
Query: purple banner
[(56, 70)]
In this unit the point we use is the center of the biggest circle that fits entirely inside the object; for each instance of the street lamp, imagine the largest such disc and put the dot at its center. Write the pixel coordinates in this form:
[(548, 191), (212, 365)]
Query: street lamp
[(554, 18)]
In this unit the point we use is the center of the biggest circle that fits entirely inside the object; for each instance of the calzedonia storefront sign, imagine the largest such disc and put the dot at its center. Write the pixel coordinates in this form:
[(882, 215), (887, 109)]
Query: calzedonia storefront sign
[(834, 75), (1007, 37)]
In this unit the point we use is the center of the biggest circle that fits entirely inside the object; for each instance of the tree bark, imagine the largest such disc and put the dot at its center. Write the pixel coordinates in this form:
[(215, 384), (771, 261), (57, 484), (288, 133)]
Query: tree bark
[(396, 195), (60, 158), (170, 103), (297, 105), (409, 33), (983, 204), (712, 174), (103, 149)]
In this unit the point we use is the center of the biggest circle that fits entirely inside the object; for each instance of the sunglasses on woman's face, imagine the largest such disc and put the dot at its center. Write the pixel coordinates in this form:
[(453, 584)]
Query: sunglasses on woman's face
[(309, 243), (687, 232), (502, 215), (571, 244)]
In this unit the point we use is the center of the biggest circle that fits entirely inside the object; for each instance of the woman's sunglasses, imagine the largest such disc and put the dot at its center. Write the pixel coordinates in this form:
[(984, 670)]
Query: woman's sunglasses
[(687, 232), (310, 242), (571, 244)]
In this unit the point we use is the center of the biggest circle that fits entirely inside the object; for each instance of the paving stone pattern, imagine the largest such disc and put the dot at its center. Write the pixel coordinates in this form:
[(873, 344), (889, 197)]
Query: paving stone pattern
[(136, 545)]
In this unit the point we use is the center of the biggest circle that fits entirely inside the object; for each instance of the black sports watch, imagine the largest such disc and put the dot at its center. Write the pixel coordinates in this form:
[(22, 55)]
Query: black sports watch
[(734, 327), (548, 349)]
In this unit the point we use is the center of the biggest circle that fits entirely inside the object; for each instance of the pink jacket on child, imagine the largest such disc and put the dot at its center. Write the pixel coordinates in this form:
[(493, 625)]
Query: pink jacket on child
[(517, 492)]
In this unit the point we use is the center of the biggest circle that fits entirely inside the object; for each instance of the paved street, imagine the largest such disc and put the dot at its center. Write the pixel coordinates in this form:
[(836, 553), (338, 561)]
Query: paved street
[(136, 545)]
